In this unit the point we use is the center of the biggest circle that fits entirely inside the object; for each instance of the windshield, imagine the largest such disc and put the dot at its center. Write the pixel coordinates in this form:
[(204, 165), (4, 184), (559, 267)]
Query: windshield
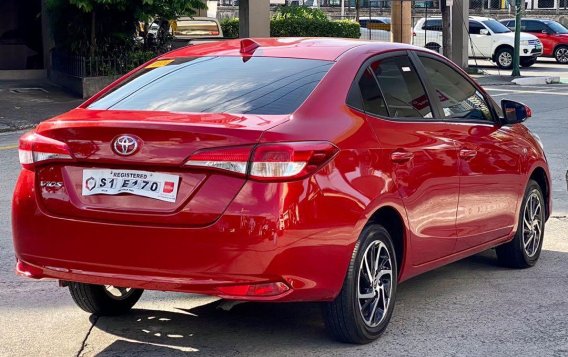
[(255, 85), (556, 27), (496, 26)]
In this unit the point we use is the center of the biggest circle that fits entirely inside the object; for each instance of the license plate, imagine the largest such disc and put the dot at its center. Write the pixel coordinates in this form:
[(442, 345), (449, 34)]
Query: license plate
[(154, 185)]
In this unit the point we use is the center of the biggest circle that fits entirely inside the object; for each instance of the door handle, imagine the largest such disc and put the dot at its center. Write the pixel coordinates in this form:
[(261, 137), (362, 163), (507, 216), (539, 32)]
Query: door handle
[(468, 154), (401, 156)]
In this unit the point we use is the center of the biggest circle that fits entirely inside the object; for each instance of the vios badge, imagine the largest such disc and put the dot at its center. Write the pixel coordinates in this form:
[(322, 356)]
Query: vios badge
[(125, 145)]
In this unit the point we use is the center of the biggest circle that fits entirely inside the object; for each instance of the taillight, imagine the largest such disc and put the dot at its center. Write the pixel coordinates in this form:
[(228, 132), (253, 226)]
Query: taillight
[(35, 148), (268, 162), (234, 159)]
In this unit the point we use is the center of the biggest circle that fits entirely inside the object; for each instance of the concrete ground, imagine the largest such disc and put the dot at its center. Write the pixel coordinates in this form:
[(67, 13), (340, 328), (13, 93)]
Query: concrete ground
[(544, 67), (24, 103), (469, 308)]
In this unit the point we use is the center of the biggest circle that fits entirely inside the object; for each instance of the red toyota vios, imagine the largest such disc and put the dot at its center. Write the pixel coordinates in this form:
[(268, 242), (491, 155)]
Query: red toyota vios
[(279, 170)]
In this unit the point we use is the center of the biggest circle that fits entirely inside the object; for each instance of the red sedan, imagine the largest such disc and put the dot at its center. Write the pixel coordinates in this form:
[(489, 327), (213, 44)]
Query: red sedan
[(279, 170)]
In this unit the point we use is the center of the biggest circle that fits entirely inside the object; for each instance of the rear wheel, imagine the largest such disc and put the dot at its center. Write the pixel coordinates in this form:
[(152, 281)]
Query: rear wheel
[(527, 62), (104, 299), (363, 308), (561, 54), (524, 250), (504, 58)]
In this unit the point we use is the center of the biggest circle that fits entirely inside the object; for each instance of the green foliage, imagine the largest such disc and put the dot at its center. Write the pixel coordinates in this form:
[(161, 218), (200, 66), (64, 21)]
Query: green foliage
[(230, 27), (299, 12), (107, 27), (313, 28), (300, 21)]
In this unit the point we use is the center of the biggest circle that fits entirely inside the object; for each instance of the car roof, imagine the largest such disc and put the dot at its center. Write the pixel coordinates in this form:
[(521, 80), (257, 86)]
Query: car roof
[(528, 18), (476, 18), (327, 49)]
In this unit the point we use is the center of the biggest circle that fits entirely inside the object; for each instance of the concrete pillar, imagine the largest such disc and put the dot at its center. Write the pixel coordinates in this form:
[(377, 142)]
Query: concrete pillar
[(460, 28), (401, 21), (254, 18)]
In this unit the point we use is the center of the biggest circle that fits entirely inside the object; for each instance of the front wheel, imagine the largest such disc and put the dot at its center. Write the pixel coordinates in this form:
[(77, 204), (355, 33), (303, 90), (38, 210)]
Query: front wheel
[(561, 54), (524, 250), (363, 308), (104, 299), (504, 58)]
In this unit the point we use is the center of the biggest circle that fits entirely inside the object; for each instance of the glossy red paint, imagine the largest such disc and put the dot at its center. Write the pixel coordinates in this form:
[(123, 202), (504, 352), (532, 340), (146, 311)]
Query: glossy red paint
[(550, 42), (289, 240)]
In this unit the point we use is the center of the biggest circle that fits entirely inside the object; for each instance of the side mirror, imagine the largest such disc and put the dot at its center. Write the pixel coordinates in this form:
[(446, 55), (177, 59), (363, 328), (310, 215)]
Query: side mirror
[(484, 32), (545, 32), (515, 112)]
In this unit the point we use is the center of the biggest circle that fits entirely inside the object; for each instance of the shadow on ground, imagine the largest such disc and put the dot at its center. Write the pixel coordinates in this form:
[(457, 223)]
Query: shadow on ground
[(207, 329)]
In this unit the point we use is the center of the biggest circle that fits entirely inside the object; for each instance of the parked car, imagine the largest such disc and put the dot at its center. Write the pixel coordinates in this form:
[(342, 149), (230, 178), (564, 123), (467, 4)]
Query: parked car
[(193, 30), (488, 39), (375, 28), (554, 36), (279, 169)]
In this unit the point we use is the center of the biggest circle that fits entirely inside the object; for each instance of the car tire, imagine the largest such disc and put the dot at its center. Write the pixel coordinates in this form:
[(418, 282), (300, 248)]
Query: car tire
[(524, 250), (528, 62), (356, 316), (104, 300), (504, 58), (433, 46), (561, 54)]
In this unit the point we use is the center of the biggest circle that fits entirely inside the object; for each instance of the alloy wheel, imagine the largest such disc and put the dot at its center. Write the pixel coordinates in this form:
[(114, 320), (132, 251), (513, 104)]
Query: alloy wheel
[(505, 59), (374, 285), (532, 224), (562, 55), (118, 293)]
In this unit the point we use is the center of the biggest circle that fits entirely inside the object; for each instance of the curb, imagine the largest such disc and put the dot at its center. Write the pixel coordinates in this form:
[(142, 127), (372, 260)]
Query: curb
[(528, 81)]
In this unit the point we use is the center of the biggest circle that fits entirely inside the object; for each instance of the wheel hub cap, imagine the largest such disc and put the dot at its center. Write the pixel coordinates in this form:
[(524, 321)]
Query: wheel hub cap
[(532, 224), (374, 285)]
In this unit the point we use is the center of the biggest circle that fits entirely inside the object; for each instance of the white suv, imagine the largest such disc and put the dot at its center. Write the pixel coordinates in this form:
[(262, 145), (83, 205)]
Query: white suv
[(489, 39)]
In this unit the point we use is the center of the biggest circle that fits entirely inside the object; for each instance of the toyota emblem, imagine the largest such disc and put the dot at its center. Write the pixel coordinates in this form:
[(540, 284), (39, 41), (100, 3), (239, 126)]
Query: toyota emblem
[(125, 145)]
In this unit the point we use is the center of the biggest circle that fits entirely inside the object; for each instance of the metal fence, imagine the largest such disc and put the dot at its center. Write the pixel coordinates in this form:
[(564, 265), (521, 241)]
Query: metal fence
[(82, 66)]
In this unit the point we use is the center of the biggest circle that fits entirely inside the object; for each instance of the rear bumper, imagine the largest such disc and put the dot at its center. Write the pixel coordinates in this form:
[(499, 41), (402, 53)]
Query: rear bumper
[(270, 233)]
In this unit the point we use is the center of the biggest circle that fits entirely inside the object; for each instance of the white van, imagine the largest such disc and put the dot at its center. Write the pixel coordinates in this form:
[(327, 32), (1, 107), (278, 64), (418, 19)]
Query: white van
[(489, 39)]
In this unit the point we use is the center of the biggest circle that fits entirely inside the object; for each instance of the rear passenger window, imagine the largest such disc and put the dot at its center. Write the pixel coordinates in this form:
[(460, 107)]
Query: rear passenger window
[(403, 92), (458, 97), (373, 102)]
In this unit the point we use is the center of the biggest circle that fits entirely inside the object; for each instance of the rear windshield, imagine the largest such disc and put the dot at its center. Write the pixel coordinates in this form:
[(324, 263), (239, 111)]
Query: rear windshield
[(238, 85), (432, 25)]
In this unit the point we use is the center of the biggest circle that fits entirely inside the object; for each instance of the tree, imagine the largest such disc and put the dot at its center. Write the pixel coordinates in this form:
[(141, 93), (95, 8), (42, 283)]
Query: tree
[(120, 19)]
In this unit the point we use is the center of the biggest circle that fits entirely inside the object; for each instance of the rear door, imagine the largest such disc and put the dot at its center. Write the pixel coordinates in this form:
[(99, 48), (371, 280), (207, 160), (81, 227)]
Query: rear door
[(489, 159), (416, 147)]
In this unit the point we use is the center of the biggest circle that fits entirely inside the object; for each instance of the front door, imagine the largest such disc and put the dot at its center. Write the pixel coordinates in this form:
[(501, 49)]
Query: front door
[(480, 45), (490, 179)]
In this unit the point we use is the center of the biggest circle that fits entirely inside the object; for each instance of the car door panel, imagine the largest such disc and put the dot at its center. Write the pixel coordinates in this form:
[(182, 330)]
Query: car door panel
[(489, 158), (425, 168), (423, 160)]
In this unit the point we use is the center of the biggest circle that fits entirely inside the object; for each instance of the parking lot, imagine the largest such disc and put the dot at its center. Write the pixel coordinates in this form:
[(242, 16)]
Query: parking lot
[(472, 307)]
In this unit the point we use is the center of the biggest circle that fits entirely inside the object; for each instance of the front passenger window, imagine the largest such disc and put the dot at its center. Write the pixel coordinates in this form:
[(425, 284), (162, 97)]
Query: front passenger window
[(458, 97)]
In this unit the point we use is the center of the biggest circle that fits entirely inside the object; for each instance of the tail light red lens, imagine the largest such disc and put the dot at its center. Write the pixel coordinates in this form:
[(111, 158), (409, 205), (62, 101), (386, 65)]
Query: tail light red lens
[(268, 162), (258, 290), (35, 148)]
